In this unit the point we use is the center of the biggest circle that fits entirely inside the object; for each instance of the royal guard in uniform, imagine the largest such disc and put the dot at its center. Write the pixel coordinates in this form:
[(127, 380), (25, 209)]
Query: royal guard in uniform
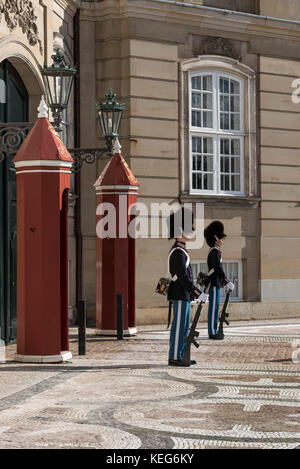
[(182, 289), (215, 236)]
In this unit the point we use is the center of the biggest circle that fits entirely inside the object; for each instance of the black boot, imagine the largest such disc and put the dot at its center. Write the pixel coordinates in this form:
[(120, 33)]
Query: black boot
[(178, 363), (216, 337), (181, 363)]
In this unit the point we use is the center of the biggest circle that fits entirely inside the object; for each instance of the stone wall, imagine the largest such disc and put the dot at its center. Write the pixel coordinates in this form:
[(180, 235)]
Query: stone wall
[(139, 50), (28, 41), (288, 9), (280, 176)]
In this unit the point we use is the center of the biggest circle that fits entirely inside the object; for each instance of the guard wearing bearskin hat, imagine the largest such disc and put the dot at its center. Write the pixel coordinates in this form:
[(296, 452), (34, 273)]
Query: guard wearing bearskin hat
[(215, 236), (182, 289)]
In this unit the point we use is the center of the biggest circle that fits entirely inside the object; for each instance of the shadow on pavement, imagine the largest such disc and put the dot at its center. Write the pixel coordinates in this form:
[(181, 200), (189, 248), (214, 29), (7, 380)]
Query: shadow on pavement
[(71, 368)]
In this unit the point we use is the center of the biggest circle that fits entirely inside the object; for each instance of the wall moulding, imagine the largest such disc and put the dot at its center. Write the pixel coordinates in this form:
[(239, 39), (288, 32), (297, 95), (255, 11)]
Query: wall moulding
[(217, 46), (21, 13)]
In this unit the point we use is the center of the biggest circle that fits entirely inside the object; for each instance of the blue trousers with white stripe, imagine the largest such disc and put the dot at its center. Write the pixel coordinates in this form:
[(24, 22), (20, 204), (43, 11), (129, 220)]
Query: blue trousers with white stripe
[(180, 328), (213, 310)]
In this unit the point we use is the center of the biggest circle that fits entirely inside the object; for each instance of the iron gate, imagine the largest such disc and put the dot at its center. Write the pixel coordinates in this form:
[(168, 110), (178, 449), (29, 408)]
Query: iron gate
[(11, 138)]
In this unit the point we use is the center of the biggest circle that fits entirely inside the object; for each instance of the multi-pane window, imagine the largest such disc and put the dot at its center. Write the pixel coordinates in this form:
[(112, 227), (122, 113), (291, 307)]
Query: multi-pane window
[(202, 101), (216, 133), (230, 164), (203, 163), (230, 104), (233, 271)]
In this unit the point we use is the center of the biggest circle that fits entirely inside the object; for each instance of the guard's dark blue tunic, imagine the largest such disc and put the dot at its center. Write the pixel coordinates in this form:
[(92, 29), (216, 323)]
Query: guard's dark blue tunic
[(181, 288), (214, 261), (217, 281)]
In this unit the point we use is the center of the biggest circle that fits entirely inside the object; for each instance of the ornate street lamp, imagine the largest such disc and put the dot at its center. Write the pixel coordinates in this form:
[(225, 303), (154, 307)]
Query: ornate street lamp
[(58, 80), (110, 114)]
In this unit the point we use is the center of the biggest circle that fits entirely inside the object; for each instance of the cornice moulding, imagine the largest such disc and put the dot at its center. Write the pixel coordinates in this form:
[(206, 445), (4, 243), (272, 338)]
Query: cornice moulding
[(194, 18)]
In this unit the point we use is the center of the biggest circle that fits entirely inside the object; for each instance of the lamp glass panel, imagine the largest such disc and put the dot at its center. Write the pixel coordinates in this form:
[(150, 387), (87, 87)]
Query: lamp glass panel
[(57, 89), (119, 120), (68, 88), (48, 90), (110, 117), (101, 119)]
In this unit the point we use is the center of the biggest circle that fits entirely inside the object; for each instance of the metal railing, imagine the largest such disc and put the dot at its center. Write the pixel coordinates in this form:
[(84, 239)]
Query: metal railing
[(13, 134)]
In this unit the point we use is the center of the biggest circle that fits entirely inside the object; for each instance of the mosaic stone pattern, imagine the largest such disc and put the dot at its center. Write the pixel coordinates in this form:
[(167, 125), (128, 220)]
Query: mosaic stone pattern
[(242, 393)]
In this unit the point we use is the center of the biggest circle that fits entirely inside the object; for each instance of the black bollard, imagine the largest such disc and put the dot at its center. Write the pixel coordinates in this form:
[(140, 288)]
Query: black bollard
[(120, 317), (81, 312)]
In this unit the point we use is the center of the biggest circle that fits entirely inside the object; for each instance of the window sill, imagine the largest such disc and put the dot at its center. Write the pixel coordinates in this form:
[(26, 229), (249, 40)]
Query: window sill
[(239, 200)]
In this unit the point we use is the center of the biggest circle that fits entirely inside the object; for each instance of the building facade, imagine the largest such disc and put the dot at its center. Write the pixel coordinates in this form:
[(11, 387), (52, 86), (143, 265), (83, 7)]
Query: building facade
[(29, 33), (212, 117)]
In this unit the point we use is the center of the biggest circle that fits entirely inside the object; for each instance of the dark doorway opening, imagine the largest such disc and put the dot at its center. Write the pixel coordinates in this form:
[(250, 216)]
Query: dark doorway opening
[(13, 112)]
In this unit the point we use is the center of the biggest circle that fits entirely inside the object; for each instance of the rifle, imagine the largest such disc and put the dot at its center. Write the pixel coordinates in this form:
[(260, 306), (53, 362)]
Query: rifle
[(193, 334), (223, 318)]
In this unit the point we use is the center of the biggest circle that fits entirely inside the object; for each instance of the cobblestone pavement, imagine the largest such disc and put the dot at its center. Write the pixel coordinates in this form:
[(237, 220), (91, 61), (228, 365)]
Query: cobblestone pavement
[(244, 392)]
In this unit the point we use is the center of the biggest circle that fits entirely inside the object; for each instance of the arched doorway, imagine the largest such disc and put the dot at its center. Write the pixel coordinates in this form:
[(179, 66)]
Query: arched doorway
[(13, 111)]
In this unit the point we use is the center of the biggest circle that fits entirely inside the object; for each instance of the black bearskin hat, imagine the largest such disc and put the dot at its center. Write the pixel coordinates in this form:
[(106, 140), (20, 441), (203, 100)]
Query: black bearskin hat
[(213, 232), (180, 223)]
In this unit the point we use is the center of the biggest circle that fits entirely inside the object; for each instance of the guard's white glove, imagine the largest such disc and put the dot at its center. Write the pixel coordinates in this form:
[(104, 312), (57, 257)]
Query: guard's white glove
[(229, 287), (204, 297)]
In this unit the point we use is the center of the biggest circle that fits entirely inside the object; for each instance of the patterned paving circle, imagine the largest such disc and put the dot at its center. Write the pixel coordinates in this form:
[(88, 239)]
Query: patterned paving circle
[(250, 403), (188, 443), (250, 378), (49, 435), (219, 418)]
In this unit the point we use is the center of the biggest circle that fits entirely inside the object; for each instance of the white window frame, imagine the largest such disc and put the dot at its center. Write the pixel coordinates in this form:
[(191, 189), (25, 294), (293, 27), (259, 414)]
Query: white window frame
[(238, 299), (216, 133)]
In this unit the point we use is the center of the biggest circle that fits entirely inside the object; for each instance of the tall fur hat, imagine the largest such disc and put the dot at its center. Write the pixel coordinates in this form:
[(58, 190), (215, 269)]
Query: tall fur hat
[(180, 223), (214, 232)]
